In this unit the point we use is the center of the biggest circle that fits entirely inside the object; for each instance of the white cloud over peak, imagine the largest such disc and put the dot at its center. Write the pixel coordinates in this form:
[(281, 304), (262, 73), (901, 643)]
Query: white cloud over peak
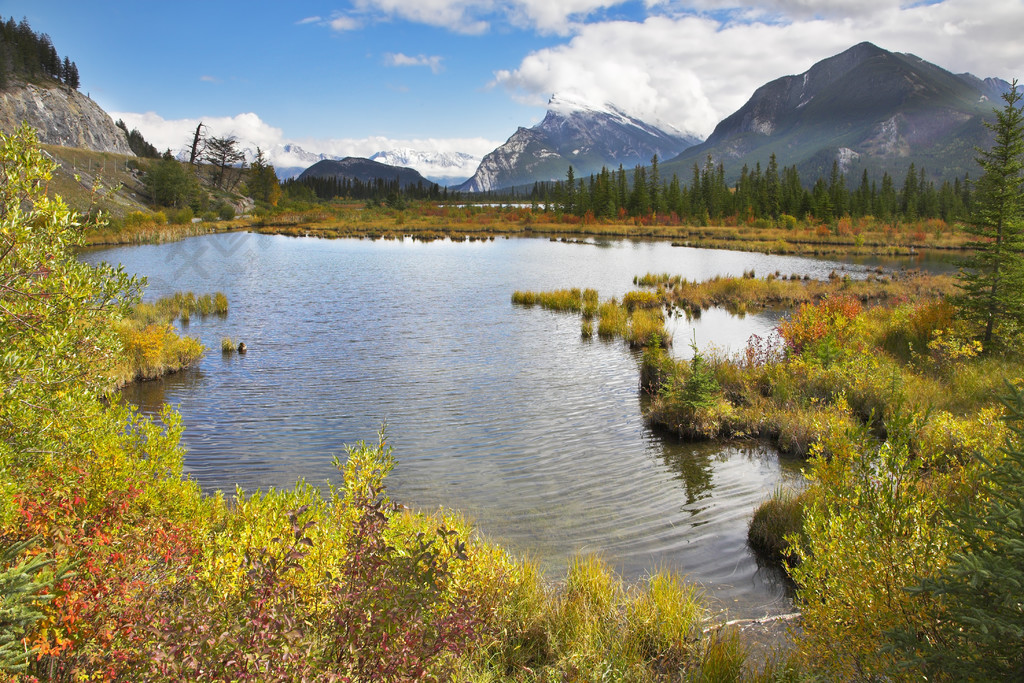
[(692, 70)]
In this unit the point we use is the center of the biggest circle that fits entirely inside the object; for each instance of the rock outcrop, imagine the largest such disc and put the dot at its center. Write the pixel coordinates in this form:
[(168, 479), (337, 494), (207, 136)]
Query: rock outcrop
[(62, 116)]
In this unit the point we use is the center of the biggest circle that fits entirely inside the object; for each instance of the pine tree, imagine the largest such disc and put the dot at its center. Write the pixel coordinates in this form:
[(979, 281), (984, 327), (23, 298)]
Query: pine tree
[(992, 281), (71, 79)]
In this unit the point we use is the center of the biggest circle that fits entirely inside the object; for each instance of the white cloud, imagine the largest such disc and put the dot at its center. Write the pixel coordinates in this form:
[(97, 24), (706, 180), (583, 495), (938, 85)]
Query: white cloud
[(478, 16), (399, 59), (308, 20), (693, 70), (343, 22), (251, 131), (209, 79), (176, 134)]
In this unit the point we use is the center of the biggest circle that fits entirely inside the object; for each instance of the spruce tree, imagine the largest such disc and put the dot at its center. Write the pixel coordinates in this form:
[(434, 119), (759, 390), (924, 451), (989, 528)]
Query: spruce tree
[(23, 592), (992, 281)]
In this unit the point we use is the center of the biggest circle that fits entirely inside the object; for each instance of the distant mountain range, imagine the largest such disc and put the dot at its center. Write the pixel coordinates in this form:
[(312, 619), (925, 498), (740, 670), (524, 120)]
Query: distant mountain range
[(443, 168), (577, 133), (364, 170), (866, 108)]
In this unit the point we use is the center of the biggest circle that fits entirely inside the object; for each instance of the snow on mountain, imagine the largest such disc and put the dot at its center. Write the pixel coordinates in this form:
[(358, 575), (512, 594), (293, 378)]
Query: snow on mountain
[(580, 133)]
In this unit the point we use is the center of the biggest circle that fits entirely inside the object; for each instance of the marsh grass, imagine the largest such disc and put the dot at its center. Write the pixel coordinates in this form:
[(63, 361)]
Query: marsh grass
[(429, 221), (152, 350), (228, 345), (779, 291), (563, 300), (647, 328), (152, 347), (779, 517), (612, 320)]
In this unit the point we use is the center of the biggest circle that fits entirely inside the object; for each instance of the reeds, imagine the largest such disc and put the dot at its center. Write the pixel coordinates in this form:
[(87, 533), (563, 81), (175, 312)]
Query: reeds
[(647, 328), (612, 320), (564, 300)]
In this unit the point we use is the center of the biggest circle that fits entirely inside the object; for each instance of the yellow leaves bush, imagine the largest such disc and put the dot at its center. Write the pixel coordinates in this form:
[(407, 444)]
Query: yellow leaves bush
[(153, 350)]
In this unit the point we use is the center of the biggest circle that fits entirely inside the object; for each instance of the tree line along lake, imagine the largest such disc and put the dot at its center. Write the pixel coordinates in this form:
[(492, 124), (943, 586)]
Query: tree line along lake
[(502, 412)]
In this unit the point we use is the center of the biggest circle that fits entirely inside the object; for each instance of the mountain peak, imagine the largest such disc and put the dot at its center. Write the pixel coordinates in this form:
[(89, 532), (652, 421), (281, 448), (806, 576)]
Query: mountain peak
[(579, 133), (886, 108)]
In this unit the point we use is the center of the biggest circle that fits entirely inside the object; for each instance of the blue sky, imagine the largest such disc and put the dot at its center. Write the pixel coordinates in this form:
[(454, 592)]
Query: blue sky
[(349, 76)]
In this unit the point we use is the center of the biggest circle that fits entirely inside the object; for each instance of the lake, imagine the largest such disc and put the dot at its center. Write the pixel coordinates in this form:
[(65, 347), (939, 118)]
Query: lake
[(502, 412)]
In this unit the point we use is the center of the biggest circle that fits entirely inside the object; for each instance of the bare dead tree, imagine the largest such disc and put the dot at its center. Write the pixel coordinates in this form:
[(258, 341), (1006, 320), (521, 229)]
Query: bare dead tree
[(197, 145)]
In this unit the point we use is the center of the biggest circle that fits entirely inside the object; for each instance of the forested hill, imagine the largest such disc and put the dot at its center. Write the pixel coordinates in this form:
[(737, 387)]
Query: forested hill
[(27, 56)]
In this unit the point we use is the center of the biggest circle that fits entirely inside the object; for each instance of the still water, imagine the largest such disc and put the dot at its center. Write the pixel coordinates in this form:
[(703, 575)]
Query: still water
[(502, 412)]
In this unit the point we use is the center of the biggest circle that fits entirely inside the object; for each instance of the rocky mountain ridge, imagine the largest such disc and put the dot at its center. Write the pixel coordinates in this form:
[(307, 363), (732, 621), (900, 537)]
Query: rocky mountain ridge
[(577, 133)]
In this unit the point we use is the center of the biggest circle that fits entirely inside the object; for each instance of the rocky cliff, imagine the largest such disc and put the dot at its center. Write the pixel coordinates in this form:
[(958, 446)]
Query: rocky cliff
[(62, 116)]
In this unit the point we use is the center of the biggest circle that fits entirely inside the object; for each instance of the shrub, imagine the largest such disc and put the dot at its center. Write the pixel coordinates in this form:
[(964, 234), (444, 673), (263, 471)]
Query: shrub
[(868, 531), (182, 216)]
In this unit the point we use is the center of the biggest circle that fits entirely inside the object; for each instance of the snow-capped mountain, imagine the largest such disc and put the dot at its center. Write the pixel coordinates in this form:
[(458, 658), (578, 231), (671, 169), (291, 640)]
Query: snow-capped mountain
[(579, 133), (443, 168)]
